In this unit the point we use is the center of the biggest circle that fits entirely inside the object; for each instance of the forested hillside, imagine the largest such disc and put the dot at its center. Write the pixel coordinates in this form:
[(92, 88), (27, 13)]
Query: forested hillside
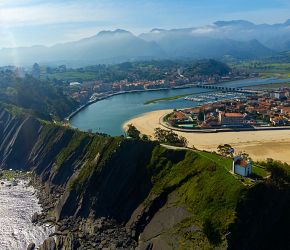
[(38, 98)]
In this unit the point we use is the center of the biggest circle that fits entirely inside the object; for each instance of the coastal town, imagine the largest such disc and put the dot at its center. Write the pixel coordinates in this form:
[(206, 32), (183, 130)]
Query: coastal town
[(144, 125), (90, 84), (264, 109), (143, 77), (92, 90)]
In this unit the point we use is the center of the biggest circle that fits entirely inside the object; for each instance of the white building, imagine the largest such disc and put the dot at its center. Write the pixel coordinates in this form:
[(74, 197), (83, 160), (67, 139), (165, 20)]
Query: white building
[(241, 167), (277, 94), (74, 83), (231, 119)]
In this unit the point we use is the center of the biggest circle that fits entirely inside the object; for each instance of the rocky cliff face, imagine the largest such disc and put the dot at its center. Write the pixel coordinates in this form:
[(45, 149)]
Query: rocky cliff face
[(105, 192), (97, 180), (17, 137)]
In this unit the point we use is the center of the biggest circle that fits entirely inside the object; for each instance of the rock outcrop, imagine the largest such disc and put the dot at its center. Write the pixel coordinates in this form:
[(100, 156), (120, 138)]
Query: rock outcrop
[(31, 246), (89, 184)]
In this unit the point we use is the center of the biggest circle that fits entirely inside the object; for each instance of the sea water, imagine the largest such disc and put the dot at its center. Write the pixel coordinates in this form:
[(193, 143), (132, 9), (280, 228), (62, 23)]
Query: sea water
[(107, 116), (17, 205)]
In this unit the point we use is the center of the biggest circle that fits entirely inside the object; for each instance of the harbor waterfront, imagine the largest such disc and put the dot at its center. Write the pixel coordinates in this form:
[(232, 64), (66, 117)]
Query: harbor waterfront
[(108, 115), (260, 145)]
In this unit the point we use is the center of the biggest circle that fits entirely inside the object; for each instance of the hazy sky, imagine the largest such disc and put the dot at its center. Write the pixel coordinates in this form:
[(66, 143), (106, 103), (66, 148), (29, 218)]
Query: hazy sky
[(31, 22)]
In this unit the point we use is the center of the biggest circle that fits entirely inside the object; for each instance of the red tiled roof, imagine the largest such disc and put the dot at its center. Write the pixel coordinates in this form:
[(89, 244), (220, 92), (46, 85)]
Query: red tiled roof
[(243, 164), (233, 115), (194, 110), (179, 115), (286, 109)]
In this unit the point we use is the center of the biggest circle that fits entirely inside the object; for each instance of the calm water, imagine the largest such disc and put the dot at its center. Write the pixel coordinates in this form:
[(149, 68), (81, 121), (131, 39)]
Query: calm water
[(107, 116), (17, 205)]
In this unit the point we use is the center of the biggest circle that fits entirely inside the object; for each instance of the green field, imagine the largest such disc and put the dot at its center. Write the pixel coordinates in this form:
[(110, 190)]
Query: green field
[(264, 68), (227, 163), (73, 76), (222, 161), (260, 171), (272, 86), (280, 75)]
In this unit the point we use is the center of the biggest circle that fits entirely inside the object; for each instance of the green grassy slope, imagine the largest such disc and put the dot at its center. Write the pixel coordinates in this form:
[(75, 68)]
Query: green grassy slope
[(205, 186)]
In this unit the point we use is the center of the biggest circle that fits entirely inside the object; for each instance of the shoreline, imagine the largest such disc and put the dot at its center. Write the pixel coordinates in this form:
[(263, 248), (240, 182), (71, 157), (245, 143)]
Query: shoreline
[(260, 145), (190, 85), (74, 113), (163, 123), (20, 204)]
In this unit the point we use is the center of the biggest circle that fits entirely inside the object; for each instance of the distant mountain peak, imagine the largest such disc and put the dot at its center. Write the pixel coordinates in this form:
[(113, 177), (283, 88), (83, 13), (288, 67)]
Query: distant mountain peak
[(114, 32), (238, 38), (234, 22)]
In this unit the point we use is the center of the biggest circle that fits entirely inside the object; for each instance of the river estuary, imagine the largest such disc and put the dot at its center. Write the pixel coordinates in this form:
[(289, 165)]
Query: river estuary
[(107, 116), (17, 205)]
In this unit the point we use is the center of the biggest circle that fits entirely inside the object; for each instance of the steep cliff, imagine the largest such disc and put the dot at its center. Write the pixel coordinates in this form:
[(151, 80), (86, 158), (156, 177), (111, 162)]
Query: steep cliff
[(104, 191), (17, 137)]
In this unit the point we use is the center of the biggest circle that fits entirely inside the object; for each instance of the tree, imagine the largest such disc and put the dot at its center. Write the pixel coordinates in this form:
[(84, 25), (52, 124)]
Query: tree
[(225, 150), (168, 136), (160, 134), (133, 132), (245, 156), (183, 141), (280, 172)]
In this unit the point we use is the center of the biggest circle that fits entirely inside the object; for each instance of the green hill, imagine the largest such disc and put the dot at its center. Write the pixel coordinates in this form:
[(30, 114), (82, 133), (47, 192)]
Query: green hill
[(38, 98)]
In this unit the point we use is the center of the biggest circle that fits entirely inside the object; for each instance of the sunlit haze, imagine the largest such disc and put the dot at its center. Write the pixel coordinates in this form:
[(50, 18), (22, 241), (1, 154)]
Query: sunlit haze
[(34, 22)]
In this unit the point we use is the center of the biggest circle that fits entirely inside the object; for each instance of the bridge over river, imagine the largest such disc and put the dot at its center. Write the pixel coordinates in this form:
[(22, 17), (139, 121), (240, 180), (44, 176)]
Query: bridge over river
[(229, 89)]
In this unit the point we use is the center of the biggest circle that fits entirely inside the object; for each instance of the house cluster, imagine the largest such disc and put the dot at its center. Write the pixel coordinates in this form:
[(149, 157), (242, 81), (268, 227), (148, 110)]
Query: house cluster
[(124, 85), (82, 91), (271, 108)]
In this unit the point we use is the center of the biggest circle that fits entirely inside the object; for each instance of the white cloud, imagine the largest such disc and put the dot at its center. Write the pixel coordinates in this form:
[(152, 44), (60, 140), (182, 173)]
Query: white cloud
[(204, 30), (49, 22), (50, 14), (39, 22)]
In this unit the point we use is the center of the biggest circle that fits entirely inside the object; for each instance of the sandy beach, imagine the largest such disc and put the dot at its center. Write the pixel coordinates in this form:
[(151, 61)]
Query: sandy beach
[(260, 145)]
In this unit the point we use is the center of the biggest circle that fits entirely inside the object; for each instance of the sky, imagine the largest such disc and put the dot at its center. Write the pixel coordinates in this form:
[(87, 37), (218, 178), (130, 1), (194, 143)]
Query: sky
[(38, 22)]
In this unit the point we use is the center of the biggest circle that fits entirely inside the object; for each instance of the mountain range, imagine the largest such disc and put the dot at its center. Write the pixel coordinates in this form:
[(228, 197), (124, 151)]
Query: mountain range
[(238, 39)]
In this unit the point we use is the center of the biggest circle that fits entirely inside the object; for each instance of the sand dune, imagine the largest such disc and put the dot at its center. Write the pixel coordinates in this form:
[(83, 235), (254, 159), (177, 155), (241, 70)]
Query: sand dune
[(259, 144)]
